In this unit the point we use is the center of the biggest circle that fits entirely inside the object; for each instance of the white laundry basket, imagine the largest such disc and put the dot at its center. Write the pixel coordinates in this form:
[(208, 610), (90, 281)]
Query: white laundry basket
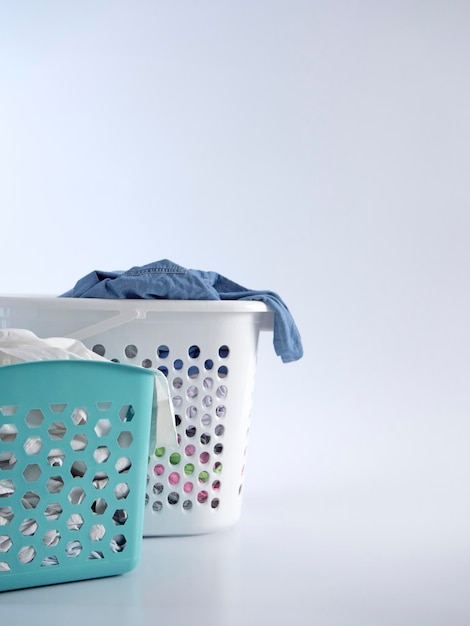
[(208, 350)]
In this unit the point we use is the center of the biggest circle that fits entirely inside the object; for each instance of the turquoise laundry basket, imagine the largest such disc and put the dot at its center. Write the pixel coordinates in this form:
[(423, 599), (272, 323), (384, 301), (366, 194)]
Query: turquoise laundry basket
[(74, 439)]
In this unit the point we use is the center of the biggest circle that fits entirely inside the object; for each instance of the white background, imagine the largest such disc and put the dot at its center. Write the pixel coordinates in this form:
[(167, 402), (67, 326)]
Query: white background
[(316, 148)]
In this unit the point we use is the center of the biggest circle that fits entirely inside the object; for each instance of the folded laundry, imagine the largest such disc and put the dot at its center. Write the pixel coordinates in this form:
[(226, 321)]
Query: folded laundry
[(167, 280), (20, 345)]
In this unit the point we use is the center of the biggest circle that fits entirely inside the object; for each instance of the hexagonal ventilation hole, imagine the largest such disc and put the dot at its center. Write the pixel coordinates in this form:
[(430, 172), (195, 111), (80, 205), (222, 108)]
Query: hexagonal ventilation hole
[(32, 445), (123, 465), (79, 442), (9, 409), (73, 548), (51, 538), (30, 500), (7, 460), (118, 543), (125, 439), (120, 517), (53, 511), (58, 408), (97, 532), (95, 554), (7, 488), (49, 560), (5, 543), (34, 418), (75, 522), (55, 484), (101, 454), (31, 472), (100, 480), (57, 430), (121, 491), (76, 495), (78, 469), (99, 506), (26, 554), (8, 433), (103, 406), (28, 527), (56, 457), (102, 427), (126, 413), (79, 416), (6, 515)]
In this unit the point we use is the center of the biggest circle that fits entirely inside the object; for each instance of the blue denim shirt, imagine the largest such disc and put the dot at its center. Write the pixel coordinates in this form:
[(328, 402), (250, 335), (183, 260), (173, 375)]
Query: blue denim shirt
[(165, 279)]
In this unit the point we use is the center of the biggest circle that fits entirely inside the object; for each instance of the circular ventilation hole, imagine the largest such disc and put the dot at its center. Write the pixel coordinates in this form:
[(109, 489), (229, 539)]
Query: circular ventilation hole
[(191, 412), (163, 352), (221, 411), (173, 498), (202, 497), (194, 352), (174, 478), (219, 430), (222, 392), (158, 469), (130, 351), (191, 431), (192, 392), (193, 371)]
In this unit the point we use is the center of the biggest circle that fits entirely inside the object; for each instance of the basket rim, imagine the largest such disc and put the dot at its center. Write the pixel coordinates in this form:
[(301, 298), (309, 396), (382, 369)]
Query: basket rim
[(150, 305)]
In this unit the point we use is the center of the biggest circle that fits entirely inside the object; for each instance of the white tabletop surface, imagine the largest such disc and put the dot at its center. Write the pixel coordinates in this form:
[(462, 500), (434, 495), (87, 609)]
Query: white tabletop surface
[(337, 558)]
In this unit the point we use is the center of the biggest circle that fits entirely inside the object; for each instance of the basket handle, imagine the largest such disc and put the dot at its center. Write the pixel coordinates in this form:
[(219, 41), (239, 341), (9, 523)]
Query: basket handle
[(121, 318), (163, 432)]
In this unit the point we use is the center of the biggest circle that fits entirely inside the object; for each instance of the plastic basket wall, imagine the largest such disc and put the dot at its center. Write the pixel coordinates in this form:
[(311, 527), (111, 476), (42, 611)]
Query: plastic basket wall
[(208, 351), (74, 439)]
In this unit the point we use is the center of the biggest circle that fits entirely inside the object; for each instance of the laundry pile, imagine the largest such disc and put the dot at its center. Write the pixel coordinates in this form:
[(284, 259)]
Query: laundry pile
[(167, 280), (19, 345)]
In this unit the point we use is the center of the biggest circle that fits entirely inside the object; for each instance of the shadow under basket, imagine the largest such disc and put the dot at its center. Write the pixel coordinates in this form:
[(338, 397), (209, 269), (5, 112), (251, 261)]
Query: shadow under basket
[(208, 352), (74, 439)]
